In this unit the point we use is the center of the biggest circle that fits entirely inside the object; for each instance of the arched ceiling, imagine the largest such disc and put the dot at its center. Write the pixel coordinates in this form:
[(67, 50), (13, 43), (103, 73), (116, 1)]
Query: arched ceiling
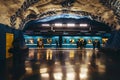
[(17, 13)]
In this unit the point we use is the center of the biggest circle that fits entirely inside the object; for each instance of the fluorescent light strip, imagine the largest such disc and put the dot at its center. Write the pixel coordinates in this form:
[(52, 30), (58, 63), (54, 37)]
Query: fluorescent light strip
[(45, 24), (70, 25), (58, 24), (83, 25)]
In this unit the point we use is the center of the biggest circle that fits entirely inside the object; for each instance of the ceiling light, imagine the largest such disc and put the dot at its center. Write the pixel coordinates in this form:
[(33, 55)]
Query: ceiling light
[(58, 24), (45, 24), (83, 25), (70, 25)]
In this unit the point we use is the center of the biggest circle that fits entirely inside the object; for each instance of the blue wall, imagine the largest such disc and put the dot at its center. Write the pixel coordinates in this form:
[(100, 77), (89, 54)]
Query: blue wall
[(44, 39), (66, 44), (17, 34), (3, 30), (75, 38)]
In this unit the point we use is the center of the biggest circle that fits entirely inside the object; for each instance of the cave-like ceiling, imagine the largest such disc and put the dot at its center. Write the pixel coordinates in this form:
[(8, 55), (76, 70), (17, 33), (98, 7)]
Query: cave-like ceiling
[(16, 13)]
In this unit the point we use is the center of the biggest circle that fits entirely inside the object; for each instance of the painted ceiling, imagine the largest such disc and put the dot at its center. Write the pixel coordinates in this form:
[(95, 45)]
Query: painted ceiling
[(16, 13)]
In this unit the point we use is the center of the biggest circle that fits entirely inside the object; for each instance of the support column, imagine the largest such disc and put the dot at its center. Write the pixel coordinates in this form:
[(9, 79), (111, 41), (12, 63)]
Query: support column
[(60, 41)]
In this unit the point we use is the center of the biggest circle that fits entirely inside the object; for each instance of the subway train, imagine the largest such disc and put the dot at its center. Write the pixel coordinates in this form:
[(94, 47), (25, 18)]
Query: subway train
[(66, 41)]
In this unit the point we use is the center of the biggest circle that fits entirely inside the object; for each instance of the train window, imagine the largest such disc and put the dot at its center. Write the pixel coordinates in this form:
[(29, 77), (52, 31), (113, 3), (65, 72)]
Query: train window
[(26, 41), (39, 39), (49, 40), (89, 41), (65, 41), (81, 39), (71, 41), (31, 41), (104, 40)]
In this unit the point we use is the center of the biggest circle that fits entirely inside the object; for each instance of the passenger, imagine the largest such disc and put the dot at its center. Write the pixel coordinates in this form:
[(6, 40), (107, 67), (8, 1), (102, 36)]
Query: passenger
[(81, 44), (56, 43), (98, 44), (40, 43), (85, 43), (94, 44), (77, 43), (16, 43), (17, 49)]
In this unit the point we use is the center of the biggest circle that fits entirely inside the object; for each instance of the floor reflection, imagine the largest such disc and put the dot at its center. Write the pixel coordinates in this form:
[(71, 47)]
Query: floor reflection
[(64, 64), (49, 54)]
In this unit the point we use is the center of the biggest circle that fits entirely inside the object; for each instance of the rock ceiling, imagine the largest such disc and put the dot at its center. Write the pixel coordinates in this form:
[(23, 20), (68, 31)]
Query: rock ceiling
[(15, 12)]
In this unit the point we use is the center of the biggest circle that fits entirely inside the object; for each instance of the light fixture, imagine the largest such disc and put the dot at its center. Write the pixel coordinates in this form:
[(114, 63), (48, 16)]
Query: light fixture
[(83, 25), (45, 24), (70, 25), (58, 24)]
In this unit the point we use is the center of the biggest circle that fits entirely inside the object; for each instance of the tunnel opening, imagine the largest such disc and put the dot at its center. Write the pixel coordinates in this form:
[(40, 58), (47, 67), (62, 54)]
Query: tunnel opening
[(66, 29)]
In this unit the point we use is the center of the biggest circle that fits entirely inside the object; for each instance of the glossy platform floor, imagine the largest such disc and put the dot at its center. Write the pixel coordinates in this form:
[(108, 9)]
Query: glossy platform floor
[(62, 64)]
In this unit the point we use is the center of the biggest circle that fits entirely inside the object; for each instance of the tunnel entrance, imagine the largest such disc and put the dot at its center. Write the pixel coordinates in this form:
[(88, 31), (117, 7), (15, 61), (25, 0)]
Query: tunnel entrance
[(65, 31)]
